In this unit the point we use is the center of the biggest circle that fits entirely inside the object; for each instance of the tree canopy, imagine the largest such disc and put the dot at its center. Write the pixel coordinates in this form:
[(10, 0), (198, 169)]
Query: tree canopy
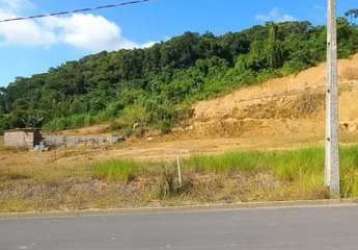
[(352, 13)]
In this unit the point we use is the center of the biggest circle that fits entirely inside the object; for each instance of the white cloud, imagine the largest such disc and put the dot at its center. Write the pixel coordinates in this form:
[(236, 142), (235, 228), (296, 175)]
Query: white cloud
[(83, 31), (275, 15), (88, 32), (24, 33)]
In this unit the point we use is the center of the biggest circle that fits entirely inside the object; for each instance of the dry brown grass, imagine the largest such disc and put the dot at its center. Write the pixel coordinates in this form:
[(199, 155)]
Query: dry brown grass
[(118, 183), (23, 192), (74, 179)]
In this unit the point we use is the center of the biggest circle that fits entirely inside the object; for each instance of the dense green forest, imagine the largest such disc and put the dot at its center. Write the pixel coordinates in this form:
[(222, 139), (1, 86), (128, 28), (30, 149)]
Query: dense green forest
[(153, 88)]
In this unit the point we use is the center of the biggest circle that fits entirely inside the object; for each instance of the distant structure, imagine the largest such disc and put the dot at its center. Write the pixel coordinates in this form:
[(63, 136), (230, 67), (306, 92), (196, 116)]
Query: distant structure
[(34, 138), (22, 138), (55, 141)]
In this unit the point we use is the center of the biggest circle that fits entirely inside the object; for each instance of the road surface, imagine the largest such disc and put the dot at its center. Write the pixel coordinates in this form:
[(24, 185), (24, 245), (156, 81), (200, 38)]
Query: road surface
[(275, 228)]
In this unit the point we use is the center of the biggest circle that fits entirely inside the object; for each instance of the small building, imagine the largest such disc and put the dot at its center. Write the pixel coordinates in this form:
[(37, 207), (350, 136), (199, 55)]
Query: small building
[(22, 138)]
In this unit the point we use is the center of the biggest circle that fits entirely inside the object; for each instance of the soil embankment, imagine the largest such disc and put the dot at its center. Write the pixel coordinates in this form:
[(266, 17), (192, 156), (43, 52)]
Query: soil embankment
[(291, 106)]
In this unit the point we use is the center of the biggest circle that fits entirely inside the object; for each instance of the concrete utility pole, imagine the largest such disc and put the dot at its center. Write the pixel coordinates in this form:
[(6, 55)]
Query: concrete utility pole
[(332, 175)]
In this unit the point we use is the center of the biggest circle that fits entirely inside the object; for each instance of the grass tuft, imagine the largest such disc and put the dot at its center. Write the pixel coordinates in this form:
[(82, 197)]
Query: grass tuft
[(117, 170)]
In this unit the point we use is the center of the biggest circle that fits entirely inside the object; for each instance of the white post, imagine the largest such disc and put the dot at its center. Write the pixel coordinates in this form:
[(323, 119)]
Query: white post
[(180, 178), (332, 175)]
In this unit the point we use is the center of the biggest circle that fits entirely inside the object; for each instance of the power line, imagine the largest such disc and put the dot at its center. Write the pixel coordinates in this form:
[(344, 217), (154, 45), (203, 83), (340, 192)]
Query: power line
[(75, 11)]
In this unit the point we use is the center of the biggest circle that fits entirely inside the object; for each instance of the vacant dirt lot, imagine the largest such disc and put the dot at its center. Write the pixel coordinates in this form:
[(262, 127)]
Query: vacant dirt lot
[(285, 113)]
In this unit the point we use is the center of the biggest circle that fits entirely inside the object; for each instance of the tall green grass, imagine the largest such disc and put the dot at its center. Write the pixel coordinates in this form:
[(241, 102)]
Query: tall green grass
[(300, 172), (349, 172), (302, 169), (286, 164), (117, 170), (304, 166)]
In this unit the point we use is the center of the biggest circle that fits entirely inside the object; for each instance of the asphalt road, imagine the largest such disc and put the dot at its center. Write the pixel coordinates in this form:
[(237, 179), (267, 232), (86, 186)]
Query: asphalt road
[(284, 228)]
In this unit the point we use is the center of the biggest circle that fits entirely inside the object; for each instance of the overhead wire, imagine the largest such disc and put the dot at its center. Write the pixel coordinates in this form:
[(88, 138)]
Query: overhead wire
[(75, 11)]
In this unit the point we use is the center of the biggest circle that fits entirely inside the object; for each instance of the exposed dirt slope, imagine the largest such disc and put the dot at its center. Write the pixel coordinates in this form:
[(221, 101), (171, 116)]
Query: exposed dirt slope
[(286, 106), (280, 113), (291, 106)]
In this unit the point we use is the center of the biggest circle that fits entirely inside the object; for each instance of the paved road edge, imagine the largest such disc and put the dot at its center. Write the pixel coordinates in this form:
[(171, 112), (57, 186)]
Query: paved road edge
[(188, 208)]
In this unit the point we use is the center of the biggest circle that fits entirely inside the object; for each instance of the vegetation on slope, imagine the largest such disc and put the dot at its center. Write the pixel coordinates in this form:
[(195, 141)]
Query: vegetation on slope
[(150, 88)]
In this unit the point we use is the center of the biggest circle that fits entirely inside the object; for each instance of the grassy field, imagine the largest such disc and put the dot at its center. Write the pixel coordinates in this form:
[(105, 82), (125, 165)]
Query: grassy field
[(229, 177), (276, 175)]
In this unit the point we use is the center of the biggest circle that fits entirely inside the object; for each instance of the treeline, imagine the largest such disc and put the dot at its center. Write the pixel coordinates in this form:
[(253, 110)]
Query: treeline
[(150, 88)]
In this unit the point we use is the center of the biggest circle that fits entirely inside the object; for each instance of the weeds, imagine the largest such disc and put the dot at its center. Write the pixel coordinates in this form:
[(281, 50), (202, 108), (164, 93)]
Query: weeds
[(230, 177), (117, 170)]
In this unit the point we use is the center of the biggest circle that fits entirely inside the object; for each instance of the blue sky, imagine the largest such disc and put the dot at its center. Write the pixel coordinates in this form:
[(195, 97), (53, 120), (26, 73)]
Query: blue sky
[(28, 48)]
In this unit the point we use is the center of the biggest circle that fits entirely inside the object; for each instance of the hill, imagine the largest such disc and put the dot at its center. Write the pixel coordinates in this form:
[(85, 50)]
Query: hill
[(281, 113), (153, 89), (291, 106), (285, 112)]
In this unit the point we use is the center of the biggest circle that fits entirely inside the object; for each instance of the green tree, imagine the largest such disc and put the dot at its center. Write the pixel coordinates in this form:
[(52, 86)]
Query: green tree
[(160, 82), (274, 50), (353, 14)]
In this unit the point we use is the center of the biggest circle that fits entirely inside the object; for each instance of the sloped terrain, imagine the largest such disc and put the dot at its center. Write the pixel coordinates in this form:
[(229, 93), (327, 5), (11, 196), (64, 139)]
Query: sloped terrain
[(282, 113), (284, 107)]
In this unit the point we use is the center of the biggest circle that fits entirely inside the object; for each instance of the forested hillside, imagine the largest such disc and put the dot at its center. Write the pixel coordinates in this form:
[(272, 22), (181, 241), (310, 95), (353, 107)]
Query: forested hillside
[(142, 89)]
